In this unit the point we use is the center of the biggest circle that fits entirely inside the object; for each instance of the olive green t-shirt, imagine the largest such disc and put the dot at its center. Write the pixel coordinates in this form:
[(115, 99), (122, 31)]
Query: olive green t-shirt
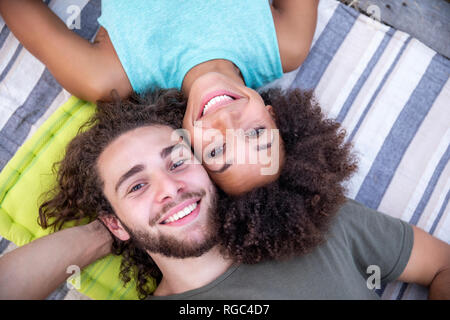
[(359, 237)]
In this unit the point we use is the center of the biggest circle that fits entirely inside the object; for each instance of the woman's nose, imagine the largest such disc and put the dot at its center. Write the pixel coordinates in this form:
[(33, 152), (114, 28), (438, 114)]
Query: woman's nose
[(226, 119)]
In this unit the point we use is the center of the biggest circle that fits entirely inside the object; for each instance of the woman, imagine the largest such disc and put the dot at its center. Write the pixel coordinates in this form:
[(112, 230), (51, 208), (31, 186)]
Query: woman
[(216, 52)]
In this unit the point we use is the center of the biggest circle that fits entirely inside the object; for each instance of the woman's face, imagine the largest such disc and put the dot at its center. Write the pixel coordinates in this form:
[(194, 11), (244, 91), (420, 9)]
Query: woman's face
[(233, 132)]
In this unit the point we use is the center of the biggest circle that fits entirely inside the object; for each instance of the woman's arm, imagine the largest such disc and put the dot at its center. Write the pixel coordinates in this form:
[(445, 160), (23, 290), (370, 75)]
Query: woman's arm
[(295, 24), (35, 270), (87, 70), (429, 265)]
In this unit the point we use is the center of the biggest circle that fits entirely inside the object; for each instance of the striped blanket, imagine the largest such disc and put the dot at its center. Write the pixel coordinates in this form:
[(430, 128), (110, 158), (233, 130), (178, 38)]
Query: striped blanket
[(390, 92)]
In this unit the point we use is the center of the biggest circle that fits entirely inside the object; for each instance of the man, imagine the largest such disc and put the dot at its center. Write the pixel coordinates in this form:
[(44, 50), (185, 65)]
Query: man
[(295, 238)]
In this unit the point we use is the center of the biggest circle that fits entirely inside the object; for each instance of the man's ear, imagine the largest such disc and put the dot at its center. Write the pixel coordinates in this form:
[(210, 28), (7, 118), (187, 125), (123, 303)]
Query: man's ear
[(270, 110), (115, 226)]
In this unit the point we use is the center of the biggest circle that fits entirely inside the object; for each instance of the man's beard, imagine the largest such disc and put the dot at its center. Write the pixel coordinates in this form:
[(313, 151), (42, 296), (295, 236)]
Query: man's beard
[(169, 245)]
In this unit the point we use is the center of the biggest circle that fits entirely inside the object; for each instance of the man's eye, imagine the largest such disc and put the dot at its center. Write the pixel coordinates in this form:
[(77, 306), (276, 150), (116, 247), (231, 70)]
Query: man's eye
[(136, 187), (255, 132), (216, 151), (177, 164)]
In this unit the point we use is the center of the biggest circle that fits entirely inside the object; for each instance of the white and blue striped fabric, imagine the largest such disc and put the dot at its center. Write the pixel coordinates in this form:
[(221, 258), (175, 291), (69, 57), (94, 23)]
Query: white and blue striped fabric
[(390, 92), (29, 94), (392, 95)]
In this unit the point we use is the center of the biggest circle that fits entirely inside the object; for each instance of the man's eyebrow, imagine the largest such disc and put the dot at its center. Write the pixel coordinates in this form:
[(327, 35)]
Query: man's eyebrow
[(135, 169), (168, 150)]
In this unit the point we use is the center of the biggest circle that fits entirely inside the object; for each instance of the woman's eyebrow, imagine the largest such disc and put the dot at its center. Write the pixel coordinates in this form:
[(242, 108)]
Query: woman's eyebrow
[(224, 167), (264, 146), (227, 165)]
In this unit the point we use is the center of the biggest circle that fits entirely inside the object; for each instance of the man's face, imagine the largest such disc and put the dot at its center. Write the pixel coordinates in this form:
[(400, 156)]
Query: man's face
[(162, 197)]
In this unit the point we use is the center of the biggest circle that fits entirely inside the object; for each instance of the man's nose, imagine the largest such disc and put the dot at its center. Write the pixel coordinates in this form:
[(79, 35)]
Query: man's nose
[(168, 187)]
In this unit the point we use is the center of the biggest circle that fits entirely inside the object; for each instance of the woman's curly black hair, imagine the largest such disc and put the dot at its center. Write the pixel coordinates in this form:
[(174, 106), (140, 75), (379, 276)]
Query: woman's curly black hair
[(291, 215), (287, 217)]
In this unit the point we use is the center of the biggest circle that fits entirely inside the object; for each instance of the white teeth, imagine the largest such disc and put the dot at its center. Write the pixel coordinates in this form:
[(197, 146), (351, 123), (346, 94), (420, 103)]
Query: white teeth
[(182, 213), (214, 101)]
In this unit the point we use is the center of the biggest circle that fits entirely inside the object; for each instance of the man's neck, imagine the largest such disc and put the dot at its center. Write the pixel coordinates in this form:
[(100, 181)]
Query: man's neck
[(224, 67), (181, 275)]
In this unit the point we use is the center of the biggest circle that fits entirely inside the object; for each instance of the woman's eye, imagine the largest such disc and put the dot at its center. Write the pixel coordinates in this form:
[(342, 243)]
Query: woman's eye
[(177, 164), (255, 132), (216, 151), (136, 187)]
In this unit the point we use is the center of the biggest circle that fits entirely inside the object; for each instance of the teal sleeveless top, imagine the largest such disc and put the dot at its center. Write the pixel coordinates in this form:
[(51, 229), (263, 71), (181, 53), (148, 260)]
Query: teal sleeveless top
[(159, 41)]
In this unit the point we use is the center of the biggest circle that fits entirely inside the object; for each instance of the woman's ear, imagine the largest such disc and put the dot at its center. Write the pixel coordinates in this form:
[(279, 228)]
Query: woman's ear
[(115, 226)]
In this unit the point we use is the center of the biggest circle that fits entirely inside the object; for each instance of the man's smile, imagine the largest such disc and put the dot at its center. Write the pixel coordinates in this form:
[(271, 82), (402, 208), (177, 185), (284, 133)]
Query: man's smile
[(183, 213)]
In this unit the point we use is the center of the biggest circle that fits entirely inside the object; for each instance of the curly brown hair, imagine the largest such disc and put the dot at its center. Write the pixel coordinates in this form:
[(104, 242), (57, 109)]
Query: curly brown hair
[(291, 215), (286, 217), (78, 195)]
